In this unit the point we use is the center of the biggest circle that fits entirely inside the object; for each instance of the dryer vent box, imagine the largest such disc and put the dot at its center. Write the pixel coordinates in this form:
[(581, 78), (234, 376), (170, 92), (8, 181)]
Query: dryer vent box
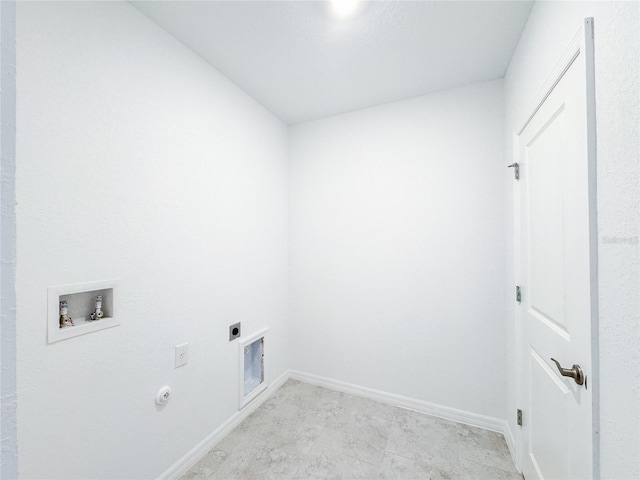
[(252, 367)]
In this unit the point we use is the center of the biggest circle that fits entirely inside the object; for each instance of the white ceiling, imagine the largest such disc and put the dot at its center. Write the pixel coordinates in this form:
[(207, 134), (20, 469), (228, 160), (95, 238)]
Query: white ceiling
[(302, 62)]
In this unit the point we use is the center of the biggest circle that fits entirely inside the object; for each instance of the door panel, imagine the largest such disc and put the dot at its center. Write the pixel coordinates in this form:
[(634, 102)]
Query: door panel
[(555, 262), (546, 217), (548, 413)]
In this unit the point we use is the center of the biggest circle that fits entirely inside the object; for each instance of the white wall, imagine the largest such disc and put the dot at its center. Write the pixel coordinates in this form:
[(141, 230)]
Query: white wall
[(138, 161), (397, 234), (549, 30), (8, 402)]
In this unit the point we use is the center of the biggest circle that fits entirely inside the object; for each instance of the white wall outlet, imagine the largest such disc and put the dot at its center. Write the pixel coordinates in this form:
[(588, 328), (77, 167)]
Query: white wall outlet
[(182, 354)]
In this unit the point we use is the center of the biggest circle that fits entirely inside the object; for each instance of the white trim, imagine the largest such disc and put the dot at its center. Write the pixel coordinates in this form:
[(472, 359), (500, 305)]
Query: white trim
[(448, 413), (511, 444), (590, 71), (244, 400), (517, 317), (200, 450)]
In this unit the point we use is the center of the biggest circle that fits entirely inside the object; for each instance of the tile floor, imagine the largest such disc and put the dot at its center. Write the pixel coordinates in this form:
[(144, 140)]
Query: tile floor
[(309, 432)]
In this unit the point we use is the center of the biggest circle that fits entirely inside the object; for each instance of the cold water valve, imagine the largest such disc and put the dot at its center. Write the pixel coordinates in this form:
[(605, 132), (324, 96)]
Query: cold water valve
[(97, 313)]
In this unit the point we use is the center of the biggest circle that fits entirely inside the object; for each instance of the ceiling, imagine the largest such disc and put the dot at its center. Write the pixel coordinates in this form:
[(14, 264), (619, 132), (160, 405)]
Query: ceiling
[(302, 62)]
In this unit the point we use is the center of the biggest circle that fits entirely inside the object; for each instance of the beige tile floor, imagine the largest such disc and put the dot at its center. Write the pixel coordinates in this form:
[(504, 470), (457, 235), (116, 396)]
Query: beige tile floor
[(309, 432)]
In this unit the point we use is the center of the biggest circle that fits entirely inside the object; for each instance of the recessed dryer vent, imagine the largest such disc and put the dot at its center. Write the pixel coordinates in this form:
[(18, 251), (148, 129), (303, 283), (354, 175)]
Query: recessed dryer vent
[(252, 367)]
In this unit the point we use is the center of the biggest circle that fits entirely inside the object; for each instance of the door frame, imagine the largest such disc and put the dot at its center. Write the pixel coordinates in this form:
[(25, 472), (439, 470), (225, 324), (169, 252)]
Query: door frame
[(581, 44)]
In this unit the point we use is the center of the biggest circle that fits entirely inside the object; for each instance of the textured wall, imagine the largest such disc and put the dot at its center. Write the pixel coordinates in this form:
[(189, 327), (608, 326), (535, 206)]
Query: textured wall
[(138, 161), (8, 400), (397, 248), (549, 30)]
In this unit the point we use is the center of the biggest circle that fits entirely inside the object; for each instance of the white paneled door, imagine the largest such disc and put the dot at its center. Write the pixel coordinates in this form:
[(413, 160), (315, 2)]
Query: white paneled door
[(556, 193)]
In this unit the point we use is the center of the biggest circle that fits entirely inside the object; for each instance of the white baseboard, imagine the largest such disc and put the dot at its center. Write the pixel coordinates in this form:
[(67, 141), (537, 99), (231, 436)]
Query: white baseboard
[(511, 443), (196, 453), (448, 413)]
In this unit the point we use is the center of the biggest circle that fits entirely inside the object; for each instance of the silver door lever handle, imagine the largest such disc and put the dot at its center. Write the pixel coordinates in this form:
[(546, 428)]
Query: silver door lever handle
[(574, 372)]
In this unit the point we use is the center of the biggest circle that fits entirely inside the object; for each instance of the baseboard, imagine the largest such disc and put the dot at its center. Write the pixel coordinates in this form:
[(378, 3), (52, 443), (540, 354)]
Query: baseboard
[(448, 413), (511, 442), (196, 453)]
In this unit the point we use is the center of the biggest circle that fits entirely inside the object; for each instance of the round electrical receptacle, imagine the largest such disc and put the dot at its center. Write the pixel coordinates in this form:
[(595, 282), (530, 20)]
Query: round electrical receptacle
[(163, 395)]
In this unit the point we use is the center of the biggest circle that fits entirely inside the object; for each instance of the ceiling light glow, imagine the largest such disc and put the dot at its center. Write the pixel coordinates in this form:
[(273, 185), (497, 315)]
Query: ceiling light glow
[(344, 8)]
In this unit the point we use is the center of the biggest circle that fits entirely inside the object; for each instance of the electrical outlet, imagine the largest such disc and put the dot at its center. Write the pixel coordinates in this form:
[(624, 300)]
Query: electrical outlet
[(234, 331), (182, 354)]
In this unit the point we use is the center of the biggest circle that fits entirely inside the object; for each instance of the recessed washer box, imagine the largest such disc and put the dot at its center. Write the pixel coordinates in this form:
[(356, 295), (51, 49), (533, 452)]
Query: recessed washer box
[(80, 298)]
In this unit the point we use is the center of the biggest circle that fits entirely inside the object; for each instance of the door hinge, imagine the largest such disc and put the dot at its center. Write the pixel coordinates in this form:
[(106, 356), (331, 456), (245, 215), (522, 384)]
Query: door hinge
[(516, 169), (519, 419), (518, 294)]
